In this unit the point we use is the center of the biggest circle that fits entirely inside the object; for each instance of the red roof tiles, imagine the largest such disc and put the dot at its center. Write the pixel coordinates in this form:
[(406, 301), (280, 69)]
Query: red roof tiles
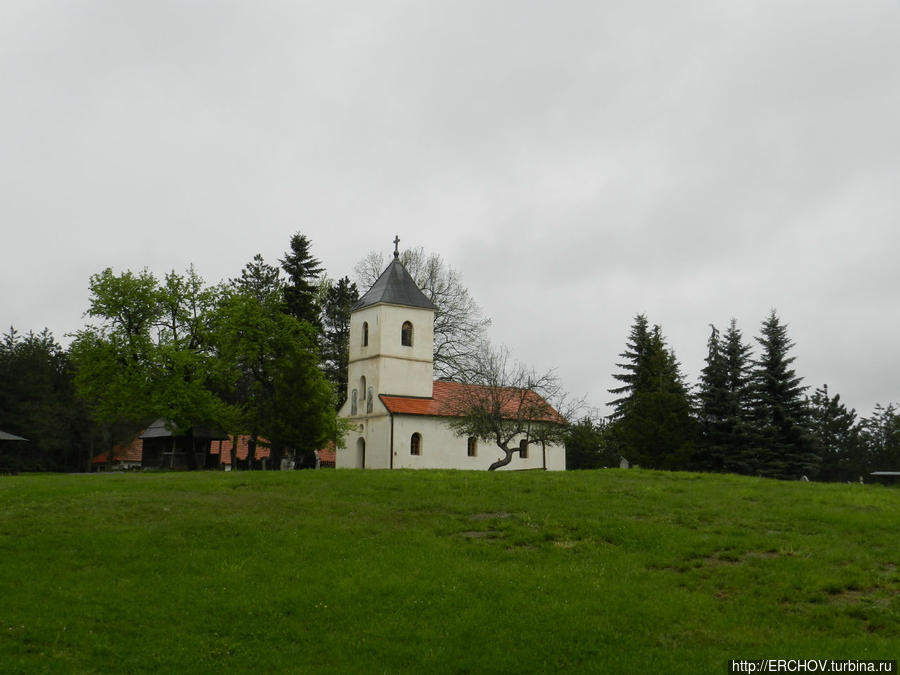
[(446, 397)]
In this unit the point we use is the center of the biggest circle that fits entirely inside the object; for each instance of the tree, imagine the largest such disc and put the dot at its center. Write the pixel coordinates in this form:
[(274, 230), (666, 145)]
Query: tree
[(780, 414), (273, 375), (588, 446), (459, 326), (653, 422), (880, 434), (38, 402), (507, 404), (301, 289), (836, 433), (151, 354), (335, 339), (724, 404)]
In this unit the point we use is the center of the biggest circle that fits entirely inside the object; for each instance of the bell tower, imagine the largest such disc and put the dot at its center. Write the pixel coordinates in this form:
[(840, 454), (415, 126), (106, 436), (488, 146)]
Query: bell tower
[(391, 341)]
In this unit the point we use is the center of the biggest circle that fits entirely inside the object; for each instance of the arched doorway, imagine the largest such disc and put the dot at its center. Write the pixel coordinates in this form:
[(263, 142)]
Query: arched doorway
[(361, 453)]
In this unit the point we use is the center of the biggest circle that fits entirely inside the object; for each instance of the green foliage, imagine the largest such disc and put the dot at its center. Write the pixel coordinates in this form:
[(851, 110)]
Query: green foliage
[(780, 413), (653, 423), (352, 571), (152, 354), (881, 437), (303, 272), (836, 434), (588, 445), (339, 298), (273, 376), (37, 402), (725, 404)]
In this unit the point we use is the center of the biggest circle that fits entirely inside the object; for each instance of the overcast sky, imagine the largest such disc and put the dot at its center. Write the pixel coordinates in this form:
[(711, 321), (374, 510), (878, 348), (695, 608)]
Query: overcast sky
[(577, 162)]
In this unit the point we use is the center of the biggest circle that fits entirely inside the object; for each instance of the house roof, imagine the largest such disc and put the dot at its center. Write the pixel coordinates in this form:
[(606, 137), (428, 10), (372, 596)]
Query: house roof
[(127, 452), (160, 429), (395, 286), (448, 396), (223, 448)]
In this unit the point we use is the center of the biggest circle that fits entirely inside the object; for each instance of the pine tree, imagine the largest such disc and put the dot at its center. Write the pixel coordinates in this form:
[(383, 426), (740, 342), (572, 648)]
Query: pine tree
[(780, 414), (724, 399), (836, 433), (303, 272), (339, 298), (635, 361), (881, 438), (653, 423)]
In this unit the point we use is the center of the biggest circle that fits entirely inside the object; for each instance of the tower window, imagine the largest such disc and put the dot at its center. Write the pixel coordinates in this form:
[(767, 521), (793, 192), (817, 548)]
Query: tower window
[(473, 446), (406, 334), (523, 449), (365, 334), (369, 399), (415, 444), (353, 404)]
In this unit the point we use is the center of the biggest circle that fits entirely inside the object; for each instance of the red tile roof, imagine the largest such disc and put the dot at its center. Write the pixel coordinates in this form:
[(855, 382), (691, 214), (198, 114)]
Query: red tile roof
[(327, 454), (243, 449), (446, 398), (130, 452)]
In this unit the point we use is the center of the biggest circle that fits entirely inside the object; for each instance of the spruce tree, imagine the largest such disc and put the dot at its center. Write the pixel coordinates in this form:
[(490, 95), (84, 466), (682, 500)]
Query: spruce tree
[(653, 424), (780, 414), (303, 272), (881, 438), (635, 366), (836, 434), (339, 298), (724, 404)]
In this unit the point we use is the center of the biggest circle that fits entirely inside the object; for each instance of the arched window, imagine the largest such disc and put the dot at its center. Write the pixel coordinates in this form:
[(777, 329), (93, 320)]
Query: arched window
[(406, 334), (353, 406), (472, 446), (362, 390), (369, 397), (523, 449), (415, 444), (365, 334)]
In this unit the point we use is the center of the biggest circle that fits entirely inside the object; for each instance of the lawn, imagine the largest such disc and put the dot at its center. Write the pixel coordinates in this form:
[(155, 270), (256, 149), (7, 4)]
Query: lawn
[(442, 572)]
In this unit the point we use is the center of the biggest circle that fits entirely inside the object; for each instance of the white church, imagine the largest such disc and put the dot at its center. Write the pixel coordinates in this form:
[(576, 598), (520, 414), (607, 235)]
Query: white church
[(397, 410)]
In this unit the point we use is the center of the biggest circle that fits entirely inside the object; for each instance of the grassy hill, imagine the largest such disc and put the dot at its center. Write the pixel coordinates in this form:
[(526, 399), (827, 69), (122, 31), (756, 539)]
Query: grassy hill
[(351, 571)]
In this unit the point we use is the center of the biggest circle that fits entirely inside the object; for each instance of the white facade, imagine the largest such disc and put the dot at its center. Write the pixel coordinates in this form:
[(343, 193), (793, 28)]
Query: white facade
[(391, 352)]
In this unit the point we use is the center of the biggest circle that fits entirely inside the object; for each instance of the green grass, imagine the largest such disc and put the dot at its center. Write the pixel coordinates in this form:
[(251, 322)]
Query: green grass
[(442, 572)]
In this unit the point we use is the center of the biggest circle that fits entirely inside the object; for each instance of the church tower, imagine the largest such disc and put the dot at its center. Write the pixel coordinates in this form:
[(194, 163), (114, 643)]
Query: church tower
[(391, 341)]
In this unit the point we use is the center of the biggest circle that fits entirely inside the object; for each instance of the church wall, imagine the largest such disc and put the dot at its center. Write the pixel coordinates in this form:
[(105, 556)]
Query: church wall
[(441, 448)]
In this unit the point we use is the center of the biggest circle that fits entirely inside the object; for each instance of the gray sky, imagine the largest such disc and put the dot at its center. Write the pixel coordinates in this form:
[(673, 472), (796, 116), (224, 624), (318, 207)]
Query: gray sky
[(578, 162)]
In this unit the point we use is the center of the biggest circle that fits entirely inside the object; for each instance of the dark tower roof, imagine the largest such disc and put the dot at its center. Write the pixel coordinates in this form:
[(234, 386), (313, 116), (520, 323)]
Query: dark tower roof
[(395, 286)]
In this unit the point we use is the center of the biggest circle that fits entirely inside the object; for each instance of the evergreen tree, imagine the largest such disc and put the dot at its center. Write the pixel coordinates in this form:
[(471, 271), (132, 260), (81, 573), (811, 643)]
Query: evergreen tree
[(339, 299), (780, 414), (303, 272), (653, 423), (635, 366), (724, 399), (38, 402), (261, 280), (881, 439), (588, 446), (835, 431)]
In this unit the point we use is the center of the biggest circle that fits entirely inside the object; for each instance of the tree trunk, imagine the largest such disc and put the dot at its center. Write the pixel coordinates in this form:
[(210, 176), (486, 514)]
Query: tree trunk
[(503, 461)]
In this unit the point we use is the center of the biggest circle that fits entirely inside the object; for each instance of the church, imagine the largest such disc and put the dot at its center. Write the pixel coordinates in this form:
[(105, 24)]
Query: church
[(398, 412)]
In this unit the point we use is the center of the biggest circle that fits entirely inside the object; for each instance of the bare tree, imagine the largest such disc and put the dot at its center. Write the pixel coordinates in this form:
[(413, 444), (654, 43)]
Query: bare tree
[(505, 402), (459, 325)]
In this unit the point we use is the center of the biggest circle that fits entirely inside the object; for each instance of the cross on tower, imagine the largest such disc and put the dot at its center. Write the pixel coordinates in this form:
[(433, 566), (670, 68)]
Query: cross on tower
[(396, 245)]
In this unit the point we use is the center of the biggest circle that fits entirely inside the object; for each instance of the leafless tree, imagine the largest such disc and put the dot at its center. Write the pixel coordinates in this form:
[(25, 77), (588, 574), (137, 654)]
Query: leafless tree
[(502, 401), (459, 325)]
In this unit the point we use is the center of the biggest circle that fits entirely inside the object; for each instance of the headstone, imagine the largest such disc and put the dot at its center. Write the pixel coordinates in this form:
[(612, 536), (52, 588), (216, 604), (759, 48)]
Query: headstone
[(623, 464)]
